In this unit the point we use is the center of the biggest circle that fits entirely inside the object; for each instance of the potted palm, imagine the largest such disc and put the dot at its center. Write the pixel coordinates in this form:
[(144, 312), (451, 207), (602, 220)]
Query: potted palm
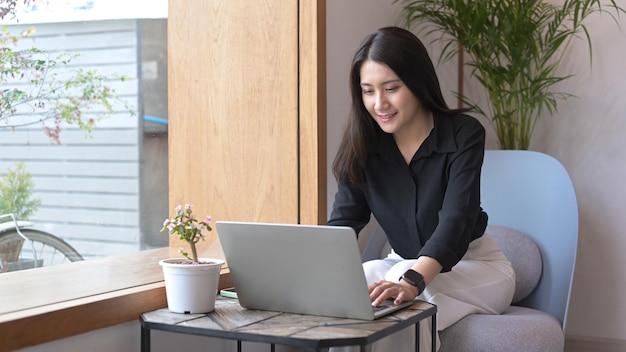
[(515, 48), (191, 283)]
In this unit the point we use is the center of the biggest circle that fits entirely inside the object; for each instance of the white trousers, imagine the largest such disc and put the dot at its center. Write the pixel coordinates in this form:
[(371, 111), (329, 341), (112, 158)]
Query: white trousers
[(482, 282)]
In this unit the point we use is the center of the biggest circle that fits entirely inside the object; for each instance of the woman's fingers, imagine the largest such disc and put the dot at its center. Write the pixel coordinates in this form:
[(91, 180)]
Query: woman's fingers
[(382, 290)]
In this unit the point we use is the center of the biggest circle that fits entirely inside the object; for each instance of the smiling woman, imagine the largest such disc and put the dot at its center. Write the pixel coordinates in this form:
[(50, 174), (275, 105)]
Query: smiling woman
[(414, 164), (394, 107)]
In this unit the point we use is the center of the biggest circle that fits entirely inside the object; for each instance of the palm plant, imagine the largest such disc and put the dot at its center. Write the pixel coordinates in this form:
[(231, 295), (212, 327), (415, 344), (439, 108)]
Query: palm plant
[(515, 48)]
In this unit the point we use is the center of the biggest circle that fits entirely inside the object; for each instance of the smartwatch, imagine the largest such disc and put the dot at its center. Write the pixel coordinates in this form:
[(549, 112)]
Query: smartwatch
[(414, 278)]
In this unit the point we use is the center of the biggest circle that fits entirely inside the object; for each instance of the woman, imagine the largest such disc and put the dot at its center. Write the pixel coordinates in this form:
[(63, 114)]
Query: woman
[(415, 164)]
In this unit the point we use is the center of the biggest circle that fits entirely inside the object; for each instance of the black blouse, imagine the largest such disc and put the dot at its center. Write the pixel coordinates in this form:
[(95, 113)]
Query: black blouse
[(430, 207)]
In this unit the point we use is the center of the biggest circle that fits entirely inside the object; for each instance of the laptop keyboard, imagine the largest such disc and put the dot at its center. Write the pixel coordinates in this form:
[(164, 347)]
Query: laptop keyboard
[(379, 308), (388, 306)]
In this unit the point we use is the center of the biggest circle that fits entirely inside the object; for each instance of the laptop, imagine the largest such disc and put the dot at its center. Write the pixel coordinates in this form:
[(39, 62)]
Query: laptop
[(303, 269)]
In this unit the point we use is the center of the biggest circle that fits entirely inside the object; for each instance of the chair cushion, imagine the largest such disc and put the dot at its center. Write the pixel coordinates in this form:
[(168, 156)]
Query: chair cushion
[(524, 256), (517, 329)]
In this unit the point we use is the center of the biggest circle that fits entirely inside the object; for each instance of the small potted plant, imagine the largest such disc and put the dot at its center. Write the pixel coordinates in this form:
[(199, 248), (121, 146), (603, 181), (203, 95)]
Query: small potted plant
[(191, 283)]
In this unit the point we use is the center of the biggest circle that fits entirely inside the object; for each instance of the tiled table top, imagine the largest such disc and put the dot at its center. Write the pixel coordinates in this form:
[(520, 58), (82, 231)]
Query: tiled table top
[(231, 321)]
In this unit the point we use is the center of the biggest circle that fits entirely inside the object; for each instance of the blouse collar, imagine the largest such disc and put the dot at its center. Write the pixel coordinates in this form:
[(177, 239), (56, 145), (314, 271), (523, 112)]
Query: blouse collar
[(440, 140)]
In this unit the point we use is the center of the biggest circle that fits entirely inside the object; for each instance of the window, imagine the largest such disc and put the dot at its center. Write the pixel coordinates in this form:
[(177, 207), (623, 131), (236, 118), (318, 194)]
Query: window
[(106, 193)]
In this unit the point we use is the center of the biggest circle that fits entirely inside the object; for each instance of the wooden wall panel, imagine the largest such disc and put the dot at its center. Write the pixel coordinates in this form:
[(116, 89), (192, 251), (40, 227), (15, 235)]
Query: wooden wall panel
[(234, 113), (312, 112)]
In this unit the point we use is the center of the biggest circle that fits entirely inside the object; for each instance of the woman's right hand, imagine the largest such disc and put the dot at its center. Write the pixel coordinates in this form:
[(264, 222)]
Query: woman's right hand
[(397, 291)]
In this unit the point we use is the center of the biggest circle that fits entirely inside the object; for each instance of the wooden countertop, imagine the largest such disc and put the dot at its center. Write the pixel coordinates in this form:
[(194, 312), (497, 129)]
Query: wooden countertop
[(45, 304)]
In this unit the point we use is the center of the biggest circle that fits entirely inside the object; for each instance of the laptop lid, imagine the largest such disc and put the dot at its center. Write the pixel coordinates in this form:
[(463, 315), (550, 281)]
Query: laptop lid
[(305, 269)]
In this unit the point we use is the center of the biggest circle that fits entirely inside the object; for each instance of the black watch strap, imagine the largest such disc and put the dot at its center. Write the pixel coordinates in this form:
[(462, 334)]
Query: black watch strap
[(414, 278)]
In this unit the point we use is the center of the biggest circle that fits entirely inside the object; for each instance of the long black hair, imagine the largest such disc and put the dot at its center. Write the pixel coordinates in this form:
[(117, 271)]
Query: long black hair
[(407, 57)]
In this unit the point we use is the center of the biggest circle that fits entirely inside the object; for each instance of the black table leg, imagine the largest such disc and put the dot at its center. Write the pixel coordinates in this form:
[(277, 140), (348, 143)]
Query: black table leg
[(417, 336), (433, 345), (145, 339)]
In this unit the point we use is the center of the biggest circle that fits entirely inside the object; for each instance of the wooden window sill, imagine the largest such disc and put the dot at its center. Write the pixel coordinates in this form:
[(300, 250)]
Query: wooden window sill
[(46, 304)]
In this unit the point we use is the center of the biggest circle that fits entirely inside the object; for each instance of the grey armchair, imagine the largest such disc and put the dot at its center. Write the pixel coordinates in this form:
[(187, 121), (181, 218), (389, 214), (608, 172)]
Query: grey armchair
[(533, 215)]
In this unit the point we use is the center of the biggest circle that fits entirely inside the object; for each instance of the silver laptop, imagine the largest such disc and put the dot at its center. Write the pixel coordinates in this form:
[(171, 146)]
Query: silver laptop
[(302, 269)]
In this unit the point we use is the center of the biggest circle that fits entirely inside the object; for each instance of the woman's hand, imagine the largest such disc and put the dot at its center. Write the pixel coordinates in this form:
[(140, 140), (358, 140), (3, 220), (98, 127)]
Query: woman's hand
[(398, 291)]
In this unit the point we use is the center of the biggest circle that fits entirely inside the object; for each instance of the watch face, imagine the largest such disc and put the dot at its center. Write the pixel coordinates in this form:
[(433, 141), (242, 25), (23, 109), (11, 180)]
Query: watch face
[(413, 276)]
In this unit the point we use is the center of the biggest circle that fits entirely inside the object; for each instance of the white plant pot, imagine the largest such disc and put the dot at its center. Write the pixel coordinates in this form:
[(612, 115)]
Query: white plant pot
[(191, 288)]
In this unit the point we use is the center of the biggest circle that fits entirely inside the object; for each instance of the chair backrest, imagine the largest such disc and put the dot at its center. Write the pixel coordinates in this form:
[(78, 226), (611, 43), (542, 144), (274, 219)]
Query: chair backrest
[(533, 193)]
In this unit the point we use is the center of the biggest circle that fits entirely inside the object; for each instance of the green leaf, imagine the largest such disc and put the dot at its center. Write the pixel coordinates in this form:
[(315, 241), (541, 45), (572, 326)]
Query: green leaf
[(515, 49)]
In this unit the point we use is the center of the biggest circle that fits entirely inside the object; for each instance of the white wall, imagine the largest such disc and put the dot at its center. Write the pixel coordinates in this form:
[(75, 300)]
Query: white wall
[(587, 136), (347, 23)]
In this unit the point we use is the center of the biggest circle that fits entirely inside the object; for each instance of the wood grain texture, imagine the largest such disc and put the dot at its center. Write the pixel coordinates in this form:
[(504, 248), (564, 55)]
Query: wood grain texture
[(233, 108), (20, 290), (312, 112), (58, 321), (231, 321), (51, 303), (247, 110)]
